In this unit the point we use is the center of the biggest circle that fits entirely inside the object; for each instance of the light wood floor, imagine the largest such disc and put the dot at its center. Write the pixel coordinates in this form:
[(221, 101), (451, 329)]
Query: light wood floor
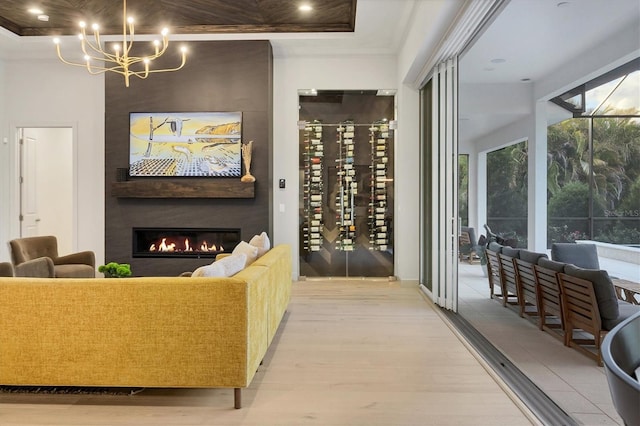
[(348, 353)]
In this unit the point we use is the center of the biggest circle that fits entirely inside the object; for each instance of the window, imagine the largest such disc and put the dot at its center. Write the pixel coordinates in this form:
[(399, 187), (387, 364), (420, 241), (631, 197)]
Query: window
[(507, 192), (594, 164)]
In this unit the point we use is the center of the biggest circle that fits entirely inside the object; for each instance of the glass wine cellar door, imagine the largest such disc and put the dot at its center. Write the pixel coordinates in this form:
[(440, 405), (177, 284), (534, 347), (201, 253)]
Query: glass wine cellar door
[(346, 183)]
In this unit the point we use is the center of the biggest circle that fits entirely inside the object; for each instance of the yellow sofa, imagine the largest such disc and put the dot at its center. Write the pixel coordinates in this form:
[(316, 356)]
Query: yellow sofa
[(143, 332)]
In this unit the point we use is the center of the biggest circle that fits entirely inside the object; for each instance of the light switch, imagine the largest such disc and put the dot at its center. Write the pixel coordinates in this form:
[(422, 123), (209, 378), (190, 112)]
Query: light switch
[(281, 208)]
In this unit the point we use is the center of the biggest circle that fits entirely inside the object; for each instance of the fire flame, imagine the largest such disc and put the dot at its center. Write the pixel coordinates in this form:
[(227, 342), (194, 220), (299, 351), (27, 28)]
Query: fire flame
[(170, 247)]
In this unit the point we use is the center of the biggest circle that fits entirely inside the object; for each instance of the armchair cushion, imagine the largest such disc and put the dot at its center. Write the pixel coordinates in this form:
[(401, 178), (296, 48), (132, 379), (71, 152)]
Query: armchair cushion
[(531, 256), (581, 255), (511, 252), (602, 287), (551, 264), (23, 249)]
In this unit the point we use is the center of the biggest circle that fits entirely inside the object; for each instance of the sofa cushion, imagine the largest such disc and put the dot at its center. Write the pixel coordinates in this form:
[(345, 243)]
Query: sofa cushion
[(531, 256), (511, 252), (225, 267), (602, 287), (262, 242), (551, 264), (74, 271), (626, 310), (581, 255), (248, 250)]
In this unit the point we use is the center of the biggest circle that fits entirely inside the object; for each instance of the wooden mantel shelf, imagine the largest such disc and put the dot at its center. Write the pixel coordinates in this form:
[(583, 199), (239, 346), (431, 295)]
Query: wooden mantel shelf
[(183, 188)]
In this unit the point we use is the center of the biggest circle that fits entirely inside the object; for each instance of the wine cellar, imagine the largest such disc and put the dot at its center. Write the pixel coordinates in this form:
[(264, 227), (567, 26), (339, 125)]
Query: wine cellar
[(346, 185)]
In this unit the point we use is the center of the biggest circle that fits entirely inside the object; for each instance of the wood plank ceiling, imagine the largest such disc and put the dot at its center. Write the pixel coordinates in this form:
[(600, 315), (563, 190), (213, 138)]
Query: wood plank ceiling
[(181, 16)]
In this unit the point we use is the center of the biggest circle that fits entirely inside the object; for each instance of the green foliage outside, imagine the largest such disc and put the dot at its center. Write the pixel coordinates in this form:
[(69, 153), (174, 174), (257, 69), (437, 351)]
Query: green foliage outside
[(609, 183), (589, 195)]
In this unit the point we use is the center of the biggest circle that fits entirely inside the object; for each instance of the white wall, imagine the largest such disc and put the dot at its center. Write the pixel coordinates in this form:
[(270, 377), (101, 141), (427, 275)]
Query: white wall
[(5, 161), (47, 93)]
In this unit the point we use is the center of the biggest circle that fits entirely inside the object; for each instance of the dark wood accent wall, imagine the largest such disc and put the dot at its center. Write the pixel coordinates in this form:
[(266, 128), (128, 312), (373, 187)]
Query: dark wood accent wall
[(218, 76)]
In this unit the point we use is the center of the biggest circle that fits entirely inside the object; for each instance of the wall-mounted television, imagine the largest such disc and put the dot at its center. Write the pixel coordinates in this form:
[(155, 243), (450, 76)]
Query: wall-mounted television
[(185, 144)]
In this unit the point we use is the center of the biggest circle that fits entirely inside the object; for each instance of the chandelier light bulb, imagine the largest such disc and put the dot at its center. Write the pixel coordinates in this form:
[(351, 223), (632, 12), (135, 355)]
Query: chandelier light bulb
[(183, 49), (119, 62)]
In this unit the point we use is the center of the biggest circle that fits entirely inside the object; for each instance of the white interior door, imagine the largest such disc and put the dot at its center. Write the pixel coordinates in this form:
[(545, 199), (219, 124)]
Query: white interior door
[(46, 189), (29, 216)]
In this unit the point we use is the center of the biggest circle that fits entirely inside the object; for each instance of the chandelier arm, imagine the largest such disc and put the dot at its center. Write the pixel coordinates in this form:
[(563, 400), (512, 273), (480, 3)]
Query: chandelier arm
[(96, 36), (141, 75), (126, 47), (94, 47), (184, 61)]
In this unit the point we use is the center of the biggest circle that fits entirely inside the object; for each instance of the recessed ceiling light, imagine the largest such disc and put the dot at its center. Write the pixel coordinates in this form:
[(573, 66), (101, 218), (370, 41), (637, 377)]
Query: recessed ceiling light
[(386, 92), (36, 11), (43, 18), (498, 61), (305, 8)]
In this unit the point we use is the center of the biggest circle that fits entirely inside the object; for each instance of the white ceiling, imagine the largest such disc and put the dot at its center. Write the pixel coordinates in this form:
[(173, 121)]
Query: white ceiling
[(533, 37), (530, 39)]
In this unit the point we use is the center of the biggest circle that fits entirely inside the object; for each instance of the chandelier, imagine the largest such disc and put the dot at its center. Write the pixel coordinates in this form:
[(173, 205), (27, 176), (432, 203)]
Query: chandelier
[(98, 60)]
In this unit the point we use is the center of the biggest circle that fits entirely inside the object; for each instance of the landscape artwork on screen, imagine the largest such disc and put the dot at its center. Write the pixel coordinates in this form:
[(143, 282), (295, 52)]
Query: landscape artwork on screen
[(185, 144)]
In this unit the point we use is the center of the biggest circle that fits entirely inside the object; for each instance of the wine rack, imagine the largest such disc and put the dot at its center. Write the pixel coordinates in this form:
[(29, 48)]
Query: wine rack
[(313, 187), (379, 204), (347, 187)]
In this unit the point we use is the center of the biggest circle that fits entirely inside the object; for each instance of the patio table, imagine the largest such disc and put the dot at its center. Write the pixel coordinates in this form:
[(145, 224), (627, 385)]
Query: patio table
[(626, 290)]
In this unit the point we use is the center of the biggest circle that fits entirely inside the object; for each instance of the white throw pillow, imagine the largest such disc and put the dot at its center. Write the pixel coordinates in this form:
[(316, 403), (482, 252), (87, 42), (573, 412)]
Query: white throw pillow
[(250, 251), (225, 267), (262, 242), (211, 270)]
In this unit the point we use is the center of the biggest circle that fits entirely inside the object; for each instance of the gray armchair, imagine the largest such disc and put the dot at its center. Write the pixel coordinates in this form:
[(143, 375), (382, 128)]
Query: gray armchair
[(76, 265)]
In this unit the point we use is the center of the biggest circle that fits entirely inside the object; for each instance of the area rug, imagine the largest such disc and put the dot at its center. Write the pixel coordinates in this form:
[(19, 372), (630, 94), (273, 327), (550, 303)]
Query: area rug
[(71, 390)]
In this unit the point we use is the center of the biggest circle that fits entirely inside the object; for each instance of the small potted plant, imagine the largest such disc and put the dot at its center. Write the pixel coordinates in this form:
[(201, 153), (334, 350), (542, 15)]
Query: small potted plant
[(115, 270)]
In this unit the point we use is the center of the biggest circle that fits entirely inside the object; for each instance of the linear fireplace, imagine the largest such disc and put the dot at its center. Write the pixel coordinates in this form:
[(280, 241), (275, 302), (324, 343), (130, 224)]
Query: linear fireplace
[(183, 242)]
